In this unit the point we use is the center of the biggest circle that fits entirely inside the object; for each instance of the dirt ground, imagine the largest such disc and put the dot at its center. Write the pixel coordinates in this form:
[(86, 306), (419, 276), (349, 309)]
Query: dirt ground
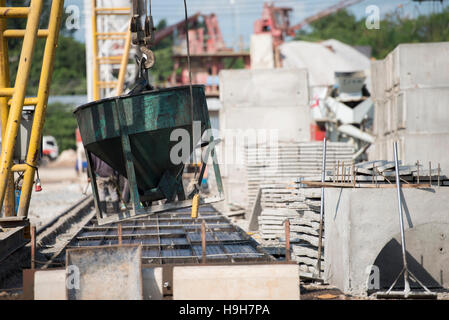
[(61, 189)]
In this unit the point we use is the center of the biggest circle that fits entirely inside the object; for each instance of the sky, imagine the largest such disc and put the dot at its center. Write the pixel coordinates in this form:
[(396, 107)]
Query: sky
[(236, 20)]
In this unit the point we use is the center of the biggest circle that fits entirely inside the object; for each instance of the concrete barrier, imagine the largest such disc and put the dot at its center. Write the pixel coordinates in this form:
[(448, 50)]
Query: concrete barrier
[(236, 282), (362, 230), (50, 285)]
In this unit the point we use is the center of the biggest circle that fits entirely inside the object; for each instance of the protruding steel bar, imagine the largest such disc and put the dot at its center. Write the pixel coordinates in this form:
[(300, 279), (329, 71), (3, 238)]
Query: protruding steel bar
[(335, 169), (323, 179), (338, 170), (430, 174), (401, 219), (33, 247), (203, 242), (287, 240), (119, 231)]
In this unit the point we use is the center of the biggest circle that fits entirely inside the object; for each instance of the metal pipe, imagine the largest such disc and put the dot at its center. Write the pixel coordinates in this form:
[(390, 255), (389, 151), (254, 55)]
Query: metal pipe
[(9, 204), (323, 179), (430, 174), (401, 218), (20, 33), (95, 69), (6, 92), (287, 240), (15, 12), (54, 26), (15, 113), (124, 64)]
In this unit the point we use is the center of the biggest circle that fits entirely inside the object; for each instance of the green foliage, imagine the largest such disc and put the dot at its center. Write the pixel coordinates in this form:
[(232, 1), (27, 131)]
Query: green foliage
[(61, 124), (69, 75), (344, 26), (163, 53), (232, 63)]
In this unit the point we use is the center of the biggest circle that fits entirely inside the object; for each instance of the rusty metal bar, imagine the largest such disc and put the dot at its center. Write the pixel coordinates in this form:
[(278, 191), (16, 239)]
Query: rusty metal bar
[(287, 240), (33, 247), (338, 170), (203, 242), (119, 231)]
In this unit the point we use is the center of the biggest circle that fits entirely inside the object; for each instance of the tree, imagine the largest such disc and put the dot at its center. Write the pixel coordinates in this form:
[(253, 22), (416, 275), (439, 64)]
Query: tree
[(61, 124), (163, 53), (69, 76), (344, 26)]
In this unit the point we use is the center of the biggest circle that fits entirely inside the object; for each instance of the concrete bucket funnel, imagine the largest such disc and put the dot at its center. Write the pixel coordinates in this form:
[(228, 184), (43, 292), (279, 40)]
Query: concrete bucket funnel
[(133, 135)]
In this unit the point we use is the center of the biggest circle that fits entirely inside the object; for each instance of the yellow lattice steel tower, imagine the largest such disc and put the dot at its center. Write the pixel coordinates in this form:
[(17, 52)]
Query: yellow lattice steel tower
[(111, 42), (12, 98)]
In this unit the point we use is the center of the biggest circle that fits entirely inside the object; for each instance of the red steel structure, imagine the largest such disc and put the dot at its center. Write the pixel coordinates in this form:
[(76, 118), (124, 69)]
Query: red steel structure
[(276, 20)]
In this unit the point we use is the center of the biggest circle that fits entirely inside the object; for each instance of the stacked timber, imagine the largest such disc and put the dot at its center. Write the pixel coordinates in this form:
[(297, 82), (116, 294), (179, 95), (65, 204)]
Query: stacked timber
[(285, 161)]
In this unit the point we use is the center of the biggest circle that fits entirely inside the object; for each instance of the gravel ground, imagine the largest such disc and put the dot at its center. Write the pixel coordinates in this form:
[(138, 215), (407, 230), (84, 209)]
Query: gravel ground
[(61, 189)]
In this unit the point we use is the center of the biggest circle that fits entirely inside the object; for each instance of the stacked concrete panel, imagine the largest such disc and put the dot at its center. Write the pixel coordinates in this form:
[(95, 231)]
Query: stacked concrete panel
[(267, 105), (287, 161), (411, 91), (301, 207)]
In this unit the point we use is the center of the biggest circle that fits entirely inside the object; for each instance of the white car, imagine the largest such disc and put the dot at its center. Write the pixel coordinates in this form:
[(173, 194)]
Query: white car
[(50, 147)]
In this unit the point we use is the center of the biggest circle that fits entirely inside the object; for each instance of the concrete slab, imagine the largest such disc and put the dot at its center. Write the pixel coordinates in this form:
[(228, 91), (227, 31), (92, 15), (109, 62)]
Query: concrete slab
[(152, 283), (261, 51), (429, 72), (106, 273), (259, 106), (264, 88), (236, 282), (362, 230), (50, 285)]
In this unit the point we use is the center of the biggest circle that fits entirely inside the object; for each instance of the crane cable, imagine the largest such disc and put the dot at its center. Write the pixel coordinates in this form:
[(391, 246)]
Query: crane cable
[(196, 197), (190, 83)]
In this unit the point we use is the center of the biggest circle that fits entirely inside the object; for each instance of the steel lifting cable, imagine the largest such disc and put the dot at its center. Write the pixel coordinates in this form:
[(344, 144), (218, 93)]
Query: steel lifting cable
[(190, 83)]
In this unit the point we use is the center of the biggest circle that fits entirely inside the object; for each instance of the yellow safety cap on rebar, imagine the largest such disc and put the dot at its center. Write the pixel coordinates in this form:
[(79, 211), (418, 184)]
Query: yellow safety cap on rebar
[(195, 205)]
